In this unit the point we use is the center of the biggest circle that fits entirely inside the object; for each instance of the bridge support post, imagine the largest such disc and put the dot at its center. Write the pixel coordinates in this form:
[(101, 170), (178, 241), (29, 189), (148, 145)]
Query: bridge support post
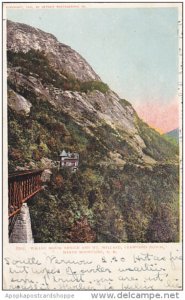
[(22, 232)]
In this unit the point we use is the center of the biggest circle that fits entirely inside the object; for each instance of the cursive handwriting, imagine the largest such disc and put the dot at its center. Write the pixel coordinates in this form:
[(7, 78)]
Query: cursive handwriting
[(144, 270)]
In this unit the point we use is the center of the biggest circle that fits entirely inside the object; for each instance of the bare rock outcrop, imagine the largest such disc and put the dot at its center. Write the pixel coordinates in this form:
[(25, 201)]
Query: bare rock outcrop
[(18, 103)]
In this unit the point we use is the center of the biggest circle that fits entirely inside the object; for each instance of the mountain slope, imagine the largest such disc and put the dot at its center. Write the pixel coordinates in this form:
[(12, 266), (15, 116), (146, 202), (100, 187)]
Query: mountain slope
[(128, 172), (21, 37), (174, 134)]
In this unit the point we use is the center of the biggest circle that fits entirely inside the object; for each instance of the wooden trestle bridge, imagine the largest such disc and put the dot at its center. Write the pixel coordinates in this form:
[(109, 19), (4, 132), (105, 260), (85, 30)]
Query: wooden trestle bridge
[(22, 186)]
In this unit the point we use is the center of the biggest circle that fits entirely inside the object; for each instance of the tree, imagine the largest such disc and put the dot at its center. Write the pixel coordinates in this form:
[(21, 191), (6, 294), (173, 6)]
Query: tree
[(164, 225), (82, 232)]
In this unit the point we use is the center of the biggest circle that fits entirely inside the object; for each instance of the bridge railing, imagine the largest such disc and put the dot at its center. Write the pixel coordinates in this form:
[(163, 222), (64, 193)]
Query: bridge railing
[(21, 187)]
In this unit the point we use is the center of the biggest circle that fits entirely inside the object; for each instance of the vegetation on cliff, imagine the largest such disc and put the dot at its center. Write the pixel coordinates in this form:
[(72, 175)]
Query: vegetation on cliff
[(103, 201)]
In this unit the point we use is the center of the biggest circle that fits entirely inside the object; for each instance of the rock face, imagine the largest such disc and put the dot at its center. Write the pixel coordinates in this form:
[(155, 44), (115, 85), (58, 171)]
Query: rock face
[(97, 107), (89, 109), (18, 103), (21, 37)]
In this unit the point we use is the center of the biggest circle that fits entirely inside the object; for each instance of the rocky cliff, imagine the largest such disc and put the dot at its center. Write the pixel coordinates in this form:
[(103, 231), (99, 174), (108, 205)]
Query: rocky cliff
[(56, 101), (21, 37)]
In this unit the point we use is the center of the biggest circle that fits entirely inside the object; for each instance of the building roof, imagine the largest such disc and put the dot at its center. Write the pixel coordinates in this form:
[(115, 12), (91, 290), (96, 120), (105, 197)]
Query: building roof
[(69, 155), (63, 153)]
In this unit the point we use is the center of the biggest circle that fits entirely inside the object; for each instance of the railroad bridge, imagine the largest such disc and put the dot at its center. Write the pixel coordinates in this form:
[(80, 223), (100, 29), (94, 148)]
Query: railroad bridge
[(22, 186)]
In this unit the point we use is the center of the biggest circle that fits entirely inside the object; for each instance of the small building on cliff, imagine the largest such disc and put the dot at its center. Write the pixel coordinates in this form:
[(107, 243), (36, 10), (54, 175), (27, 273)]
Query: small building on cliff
[(69, 160)]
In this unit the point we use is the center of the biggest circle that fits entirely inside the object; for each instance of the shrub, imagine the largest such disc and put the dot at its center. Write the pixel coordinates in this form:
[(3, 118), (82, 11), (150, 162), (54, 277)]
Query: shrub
[(164, 225), (58, 181), (15, 154), (124, 102), (82, 232), (90, 86)]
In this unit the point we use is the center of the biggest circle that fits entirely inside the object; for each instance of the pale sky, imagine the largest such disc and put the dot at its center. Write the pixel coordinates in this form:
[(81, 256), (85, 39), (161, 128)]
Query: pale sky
[(134, 51)]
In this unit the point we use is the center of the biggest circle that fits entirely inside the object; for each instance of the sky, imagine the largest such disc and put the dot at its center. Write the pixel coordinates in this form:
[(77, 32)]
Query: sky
[(133, 50)]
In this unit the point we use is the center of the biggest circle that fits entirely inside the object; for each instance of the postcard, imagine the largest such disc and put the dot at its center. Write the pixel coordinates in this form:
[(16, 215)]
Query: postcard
[(92, 148)]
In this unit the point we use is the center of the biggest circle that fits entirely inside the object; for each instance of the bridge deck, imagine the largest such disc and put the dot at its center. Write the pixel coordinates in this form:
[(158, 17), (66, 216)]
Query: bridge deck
[(21, 187)]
